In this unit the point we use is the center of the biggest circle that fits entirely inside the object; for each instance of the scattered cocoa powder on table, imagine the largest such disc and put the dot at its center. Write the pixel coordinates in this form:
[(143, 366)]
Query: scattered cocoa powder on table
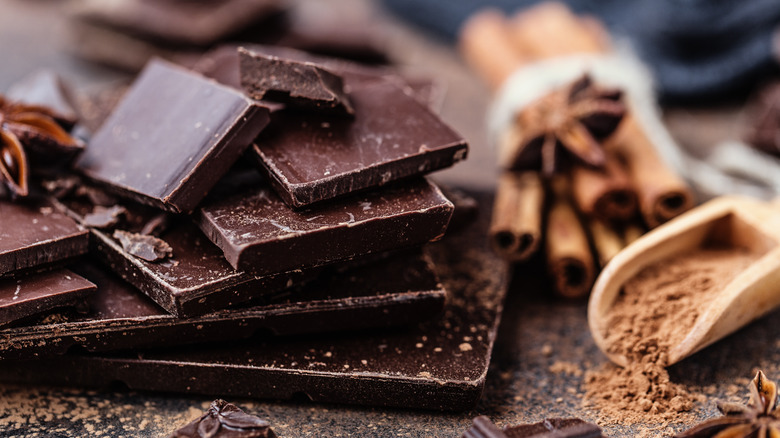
[(654, 311)]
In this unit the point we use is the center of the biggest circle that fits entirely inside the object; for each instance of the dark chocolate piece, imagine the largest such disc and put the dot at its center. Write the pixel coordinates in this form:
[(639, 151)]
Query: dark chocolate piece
[(173, 135), (549, 428), (196, 280), (33, 234), (225, 420), (258, 233), (301, 85), (402, 289), (319, 157), (103, 217), (439, 364), (195, 23), (144, 246), (32, 294), (45, 88)]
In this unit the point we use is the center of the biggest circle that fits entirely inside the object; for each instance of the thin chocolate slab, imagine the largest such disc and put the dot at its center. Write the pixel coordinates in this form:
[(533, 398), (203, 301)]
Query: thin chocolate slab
[(33, 234), (258, 233), (28, 295), (440, 364), (402, 289), (302, 85), (392, 136), (196, 280), (173, 135)]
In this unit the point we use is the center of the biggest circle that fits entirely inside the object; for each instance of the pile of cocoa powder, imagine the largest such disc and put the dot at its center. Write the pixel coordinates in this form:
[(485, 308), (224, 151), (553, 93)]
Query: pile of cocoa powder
[(654, 311)]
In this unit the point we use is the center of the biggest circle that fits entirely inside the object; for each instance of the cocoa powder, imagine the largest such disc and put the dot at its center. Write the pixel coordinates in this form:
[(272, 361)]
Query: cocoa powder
[(654, 311)]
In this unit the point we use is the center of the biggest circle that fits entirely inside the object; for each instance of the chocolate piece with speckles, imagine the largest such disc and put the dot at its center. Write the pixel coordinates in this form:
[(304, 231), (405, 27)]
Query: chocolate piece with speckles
[(258, 233), (400, 289), (144, 246), (32, 294), (225, 420), (439, 364), (33, 234), (171, 138), (317, 157), (196, 280), (301, 85)]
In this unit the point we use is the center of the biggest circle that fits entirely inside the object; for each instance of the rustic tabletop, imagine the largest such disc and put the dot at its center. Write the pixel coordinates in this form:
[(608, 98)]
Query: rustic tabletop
[(543, 348)]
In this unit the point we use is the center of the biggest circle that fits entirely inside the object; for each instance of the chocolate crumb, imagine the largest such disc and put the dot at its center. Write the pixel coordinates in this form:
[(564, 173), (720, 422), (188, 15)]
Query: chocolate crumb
[(550, 428), (143, 246), (225, 420), (103, 217)]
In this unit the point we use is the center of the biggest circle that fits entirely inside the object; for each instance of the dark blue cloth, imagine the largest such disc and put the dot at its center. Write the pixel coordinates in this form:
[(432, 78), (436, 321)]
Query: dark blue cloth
[(698, 49)]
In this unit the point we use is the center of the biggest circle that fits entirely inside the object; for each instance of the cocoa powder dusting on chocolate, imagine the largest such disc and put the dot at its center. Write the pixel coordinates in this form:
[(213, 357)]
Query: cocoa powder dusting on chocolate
[(654, 311)]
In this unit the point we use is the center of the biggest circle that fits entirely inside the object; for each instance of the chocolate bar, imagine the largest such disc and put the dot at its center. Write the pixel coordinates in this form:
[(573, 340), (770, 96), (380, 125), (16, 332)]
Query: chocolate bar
[(439, 364), (196, 280), (392, 136), (258, 233), (301, 85), (401, 289), (33, 234), (193, 23), (173, 135), (28, 295)]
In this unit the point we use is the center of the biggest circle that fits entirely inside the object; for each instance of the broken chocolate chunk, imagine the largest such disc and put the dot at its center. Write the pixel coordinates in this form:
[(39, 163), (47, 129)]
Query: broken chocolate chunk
[(104, 217), (550, 428), (143, 246), (302, 85), (225, 420)]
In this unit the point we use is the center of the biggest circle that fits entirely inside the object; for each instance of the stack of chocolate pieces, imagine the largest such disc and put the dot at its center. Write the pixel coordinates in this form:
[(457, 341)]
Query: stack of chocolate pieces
[(288, 199)]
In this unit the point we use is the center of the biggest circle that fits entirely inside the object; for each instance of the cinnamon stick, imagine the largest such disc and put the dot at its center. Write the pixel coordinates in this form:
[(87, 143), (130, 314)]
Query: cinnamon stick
[(487, 46), (605, 193), (662, 194), (606, 241), (515, 230), (569, 259)]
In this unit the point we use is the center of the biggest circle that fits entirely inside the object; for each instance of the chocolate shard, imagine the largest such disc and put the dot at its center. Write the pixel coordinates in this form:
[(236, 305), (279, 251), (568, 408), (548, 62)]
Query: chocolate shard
[(173, 135), (225, 420), (259, 234), (46, 89), (143, 246), (555, 428), (104, 217), (28, 295), (482, 427), (34, 234), (303, 85), (319, 157)]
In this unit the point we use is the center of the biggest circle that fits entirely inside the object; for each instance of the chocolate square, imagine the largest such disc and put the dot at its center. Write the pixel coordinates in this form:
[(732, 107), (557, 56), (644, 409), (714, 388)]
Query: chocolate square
[(173, 135)]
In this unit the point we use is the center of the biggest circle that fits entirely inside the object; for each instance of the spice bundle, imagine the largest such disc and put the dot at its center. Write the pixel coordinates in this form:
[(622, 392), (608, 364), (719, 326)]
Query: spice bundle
[(582, 177)]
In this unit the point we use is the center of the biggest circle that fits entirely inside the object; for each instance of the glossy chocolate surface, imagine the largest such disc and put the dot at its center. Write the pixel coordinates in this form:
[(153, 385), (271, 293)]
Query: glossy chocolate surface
[(440, 364), (310, 158), (259, 233), (28, 295), (173, 135), (33, 233), (401, 289)]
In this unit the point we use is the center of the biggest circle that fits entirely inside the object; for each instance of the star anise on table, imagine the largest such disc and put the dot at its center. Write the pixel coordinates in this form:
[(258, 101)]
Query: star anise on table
[(760, 418), (24, 130), (577, 117)]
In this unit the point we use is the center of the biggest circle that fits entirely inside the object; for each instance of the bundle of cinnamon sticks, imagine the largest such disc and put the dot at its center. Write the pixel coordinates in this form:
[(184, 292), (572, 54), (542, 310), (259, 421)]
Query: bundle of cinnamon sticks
[(582, 214)]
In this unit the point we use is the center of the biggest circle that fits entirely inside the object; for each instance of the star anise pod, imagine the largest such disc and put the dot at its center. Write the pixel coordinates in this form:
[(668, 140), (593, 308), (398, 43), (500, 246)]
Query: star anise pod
[(26, 129), (760, 418), (577, 118)]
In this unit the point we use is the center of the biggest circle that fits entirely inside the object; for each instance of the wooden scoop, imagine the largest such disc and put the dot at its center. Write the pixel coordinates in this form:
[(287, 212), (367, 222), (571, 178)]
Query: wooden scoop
[(726, 222)]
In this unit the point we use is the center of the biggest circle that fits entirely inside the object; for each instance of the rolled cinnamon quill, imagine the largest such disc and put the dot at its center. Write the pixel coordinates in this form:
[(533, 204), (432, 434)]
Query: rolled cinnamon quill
[(662, 194), (515, 230), (606, 241), (569, 259), (487, 46), (606, 193)]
